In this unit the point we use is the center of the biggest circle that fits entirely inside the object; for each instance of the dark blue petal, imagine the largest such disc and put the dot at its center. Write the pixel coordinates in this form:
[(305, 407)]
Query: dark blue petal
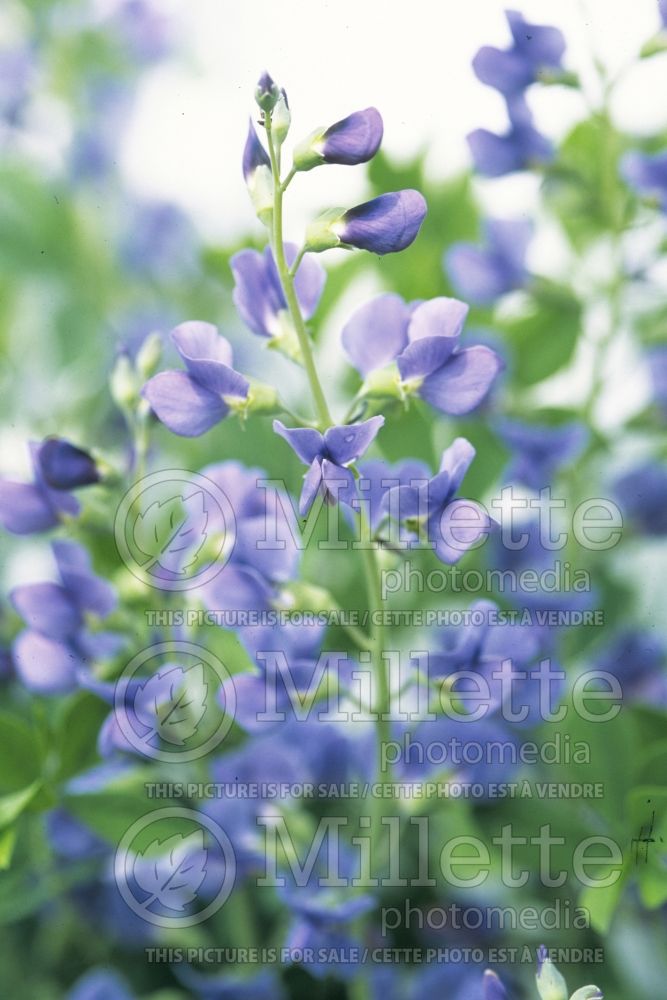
[(386, 224), (64, 466), (543, 46), (355, 139), (254, 154)]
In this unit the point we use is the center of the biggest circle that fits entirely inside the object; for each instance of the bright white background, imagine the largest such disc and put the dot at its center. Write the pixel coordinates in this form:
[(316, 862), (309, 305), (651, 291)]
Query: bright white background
[(411, 60)]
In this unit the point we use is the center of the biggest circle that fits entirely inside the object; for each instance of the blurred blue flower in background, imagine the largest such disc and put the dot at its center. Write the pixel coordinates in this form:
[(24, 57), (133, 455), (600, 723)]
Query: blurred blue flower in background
[(481, 274)]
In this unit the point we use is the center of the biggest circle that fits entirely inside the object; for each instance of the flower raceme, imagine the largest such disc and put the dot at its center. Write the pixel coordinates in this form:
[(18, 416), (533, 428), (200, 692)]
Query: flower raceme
[(353, 140), (422, 341), (328, 456), (191, 402)]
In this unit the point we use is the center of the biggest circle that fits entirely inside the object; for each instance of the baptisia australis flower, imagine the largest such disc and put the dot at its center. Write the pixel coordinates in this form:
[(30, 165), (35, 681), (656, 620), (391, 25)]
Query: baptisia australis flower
[(58, 466), (405, 350), (328, 456), (520, 148), (387, 224), (537, 52), (431, 513), (355, 139), (50, 654), (647, 174), (539, 450), (259, 297), (642, 496), (191, 402), (481, 274)]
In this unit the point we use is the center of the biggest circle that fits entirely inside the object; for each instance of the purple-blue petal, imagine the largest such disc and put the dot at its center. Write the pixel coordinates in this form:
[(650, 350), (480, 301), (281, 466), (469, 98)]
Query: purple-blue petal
[(463, 381), (493, 988), (45, 665), (182, 404), (386, 224), (256, 296), (254, 154), (353, 140), (64, 466), (376, 332), (456, 461), (208, 359), (339, 482), (25, 509), (502, 69), (306, 442), (88, 591), (47, 608), (345, 444), (460, 525)]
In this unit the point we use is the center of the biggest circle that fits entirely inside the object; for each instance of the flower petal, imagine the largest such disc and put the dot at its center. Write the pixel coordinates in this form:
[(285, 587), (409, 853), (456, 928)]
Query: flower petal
[(208, 358), (345, 444), (340, 483), (64, 466), (305, 441), (463, 381), (47, 608), (456, 461), (25, 509), (460, 526), (376, 332), (256, 296), (182, 404), (45, 665), (386, 224), (355, 139), (311, 484), (88, 591)]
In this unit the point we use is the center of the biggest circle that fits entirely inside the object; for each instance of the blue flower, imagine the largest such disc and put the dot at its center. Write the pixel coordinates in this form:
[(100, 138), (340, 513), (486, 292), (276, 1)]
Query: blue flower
[(431, 512), (376, 478), (27, 508), (386, 224), (51, 653), (328, 456), (423, 340), (647, 174), (64, 466), (17, 71), (258, 294), (520, 148), (642, 495), (536, 48), (191, 402), (254, 154), (145, 30), (662, 7), (355, 139), (638, 659), (539, 450), (159, 240), (481, 274)]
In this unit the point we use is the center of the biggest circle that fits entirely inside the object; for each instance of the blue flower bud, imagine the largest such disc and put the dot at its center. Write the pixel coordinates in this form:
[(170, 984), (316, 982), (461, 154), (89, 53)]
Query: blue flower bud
[(258, 176), (386, 224), (266, 92), (355, 139), (64, 466)]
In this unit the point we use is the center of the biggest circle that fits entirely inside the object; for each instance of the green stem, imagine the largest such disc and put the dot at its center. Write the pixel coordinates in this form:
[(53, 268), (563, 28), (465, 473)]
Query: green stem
[(287, 283)]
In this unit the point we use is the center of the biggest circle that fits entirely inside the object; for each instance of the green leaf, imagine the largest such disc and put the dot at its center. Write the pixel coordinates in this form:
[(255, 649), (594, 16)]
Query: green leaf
[(543, 339), (78, 732), (7, 844), (13, 804), (20, 754)]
